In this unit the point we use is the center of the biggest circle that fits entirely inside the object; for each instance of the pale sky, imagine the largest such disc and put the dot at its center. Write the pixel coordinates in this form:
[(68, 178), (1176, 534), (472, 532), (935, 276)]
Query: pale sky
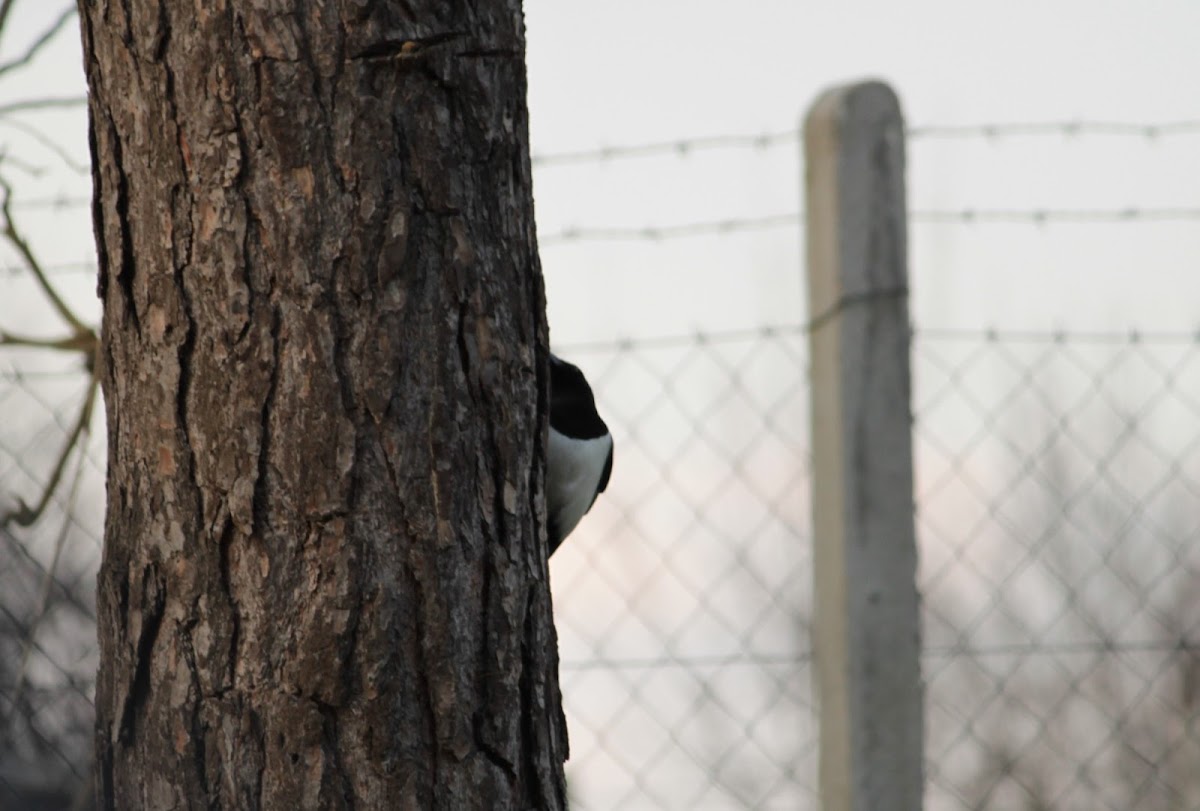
[(634, 72)]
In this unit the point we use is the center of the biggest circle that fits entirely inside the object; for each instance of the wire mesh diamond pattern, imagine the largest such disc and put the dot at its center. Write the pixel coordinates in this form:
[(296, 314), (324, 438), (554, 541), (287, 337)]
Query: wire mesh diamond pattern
[(683, 602), (1058, 506), (48, 651)]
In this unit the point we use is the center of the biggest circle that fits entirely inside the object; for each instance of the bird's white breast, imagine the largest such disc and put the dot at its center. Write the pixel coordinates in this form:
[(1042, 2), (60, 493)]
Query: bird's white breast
[(574, 470)]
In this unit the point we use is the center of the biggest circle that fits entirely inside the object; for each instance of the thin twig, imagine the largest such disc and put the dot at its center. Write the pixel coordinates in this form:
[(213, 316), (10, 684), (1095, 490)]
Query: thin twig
[(37, 135), (37, 44), (48, 580), (23, 515), (79, 342), (5, 7), (23, 165)]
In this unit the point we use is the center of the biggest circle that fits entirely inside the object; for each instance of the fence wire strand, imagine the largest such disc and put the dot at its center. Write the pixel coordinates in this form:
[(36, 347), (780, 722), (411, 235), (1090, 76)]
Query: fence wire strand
[(686, 147)]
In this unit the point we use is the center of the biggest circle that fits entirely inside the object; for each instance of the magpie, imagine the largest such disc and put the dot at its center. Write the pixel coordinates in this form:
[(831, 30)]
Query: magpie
[(579, 458)]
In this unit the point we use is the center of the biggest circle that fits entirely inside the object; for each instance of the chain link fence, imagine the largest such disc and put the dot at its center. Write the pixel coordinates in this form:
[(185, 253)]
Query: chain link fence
[(1058, 506), (48, 649), (1058, 498), (683, 604), (1059, 509)]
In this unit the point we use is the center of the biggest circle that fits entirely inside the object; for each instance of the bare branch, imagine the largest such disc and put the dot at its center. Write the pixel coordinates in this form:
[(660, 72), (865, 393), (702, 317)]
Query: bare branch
[(37, 44), (14, 237), (79, 342), (5, 8), (23, 165)]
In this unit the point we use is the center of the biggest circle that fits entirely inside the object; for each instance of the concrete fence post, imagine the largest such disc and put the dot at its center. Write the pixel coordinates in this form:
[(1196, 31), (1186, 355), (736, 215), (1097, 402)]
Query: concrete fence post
[(867, 636)]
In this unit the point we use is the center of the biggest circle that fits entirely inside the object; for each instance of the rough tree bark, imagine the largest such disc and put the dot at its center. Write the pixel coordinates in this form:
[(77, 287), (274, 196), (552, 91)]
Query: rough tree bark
[(324, 583)]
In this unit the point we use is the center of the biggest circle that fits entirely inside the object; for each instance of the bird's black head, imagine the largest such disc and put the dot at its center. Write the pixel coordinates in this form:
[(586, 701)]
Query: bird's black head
[(572, 406)]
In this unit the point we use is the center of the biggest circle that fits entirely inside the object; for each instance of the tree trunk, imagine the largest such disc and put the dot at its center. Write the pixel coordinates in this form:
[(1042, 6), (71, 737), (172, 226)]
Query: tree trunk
[(324, 581)]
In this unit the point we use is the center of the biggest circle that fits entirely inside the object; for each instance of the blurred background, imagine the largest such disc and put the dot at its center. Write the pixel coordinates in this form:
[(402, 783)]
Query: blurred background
[(1054, 193)]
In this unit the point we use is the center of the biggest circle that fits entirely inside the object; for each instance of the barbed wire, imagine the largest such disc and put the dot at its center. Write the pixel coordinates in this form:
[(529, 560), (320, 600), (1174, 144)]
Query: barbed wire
[(1038, 648), (655, 233), (1040, 217), (964, 216), (681, 147), (1046, 216), (1065, 129), (994, 335), (988, 334), (685, 147)]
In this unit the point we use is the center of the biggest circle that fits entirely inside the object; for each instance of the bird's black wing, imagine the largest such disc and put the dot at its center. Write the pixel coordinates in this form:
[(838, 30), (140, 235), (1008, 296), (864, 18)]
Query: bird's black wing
[(607, 469)]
